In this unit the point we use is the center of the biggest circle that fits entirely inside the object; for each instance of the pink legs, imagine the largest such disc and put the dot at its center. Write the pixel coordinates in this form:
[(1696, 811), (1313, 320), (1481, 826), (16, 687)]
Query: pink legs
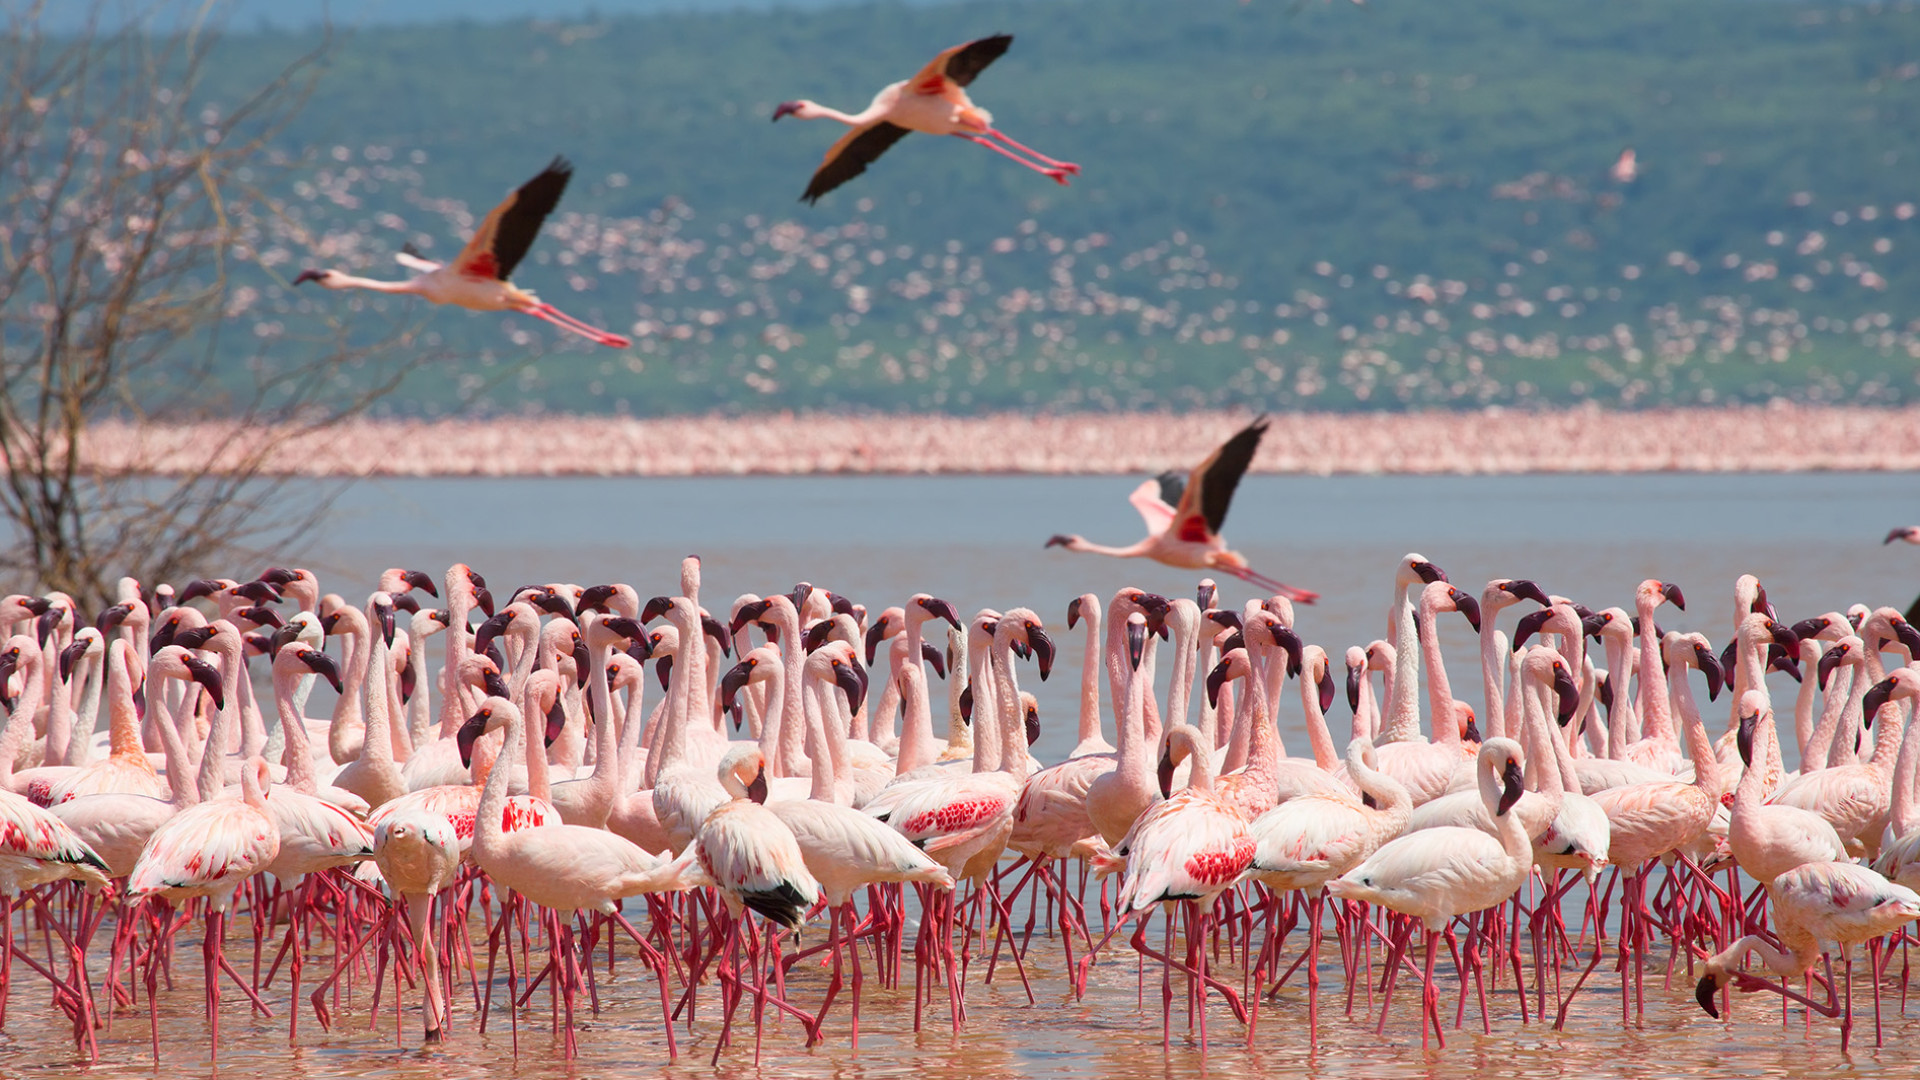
[(549, 313), (1279, 588), (1058, 171)]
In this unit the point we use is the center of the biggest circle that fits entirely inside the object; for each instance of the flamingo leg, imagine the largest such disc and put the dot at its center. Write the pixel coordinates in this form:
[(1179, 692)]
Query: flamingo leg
[(1069, 167), (1278, 588), (549, 313), (1057, 174)]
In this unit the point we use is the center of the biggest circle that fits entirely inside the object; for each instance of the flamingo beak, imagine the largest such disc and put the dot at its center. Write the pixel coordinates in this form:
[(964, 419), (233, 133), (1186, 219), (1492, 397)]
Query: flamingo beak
[(582, 662), (309, 275), (735, 678), (757, 791), (112, 617), (1674, 596), (1515, 785), (966, 704), (494, 685), (936, 658), (875, 635), (469, 734), (664, 669), (1743, 739), (595, 599), (1328, 689), (1353, 687), (1878, 695), (47, 622), (492, 628), (1828, 661), (851, 683), (1215, 680), (1527, 590), (747, 613), (1208, 593), (324, 666), (1604, 690), (485, 599), (419, 580), (556, 720), (1073, 615), (1429, 573), (1707, 992), (1033, 725), (940, 609), (712, 628), (1529, 625), (1568, 692), (1290, 641), (1043, 648), (1136, 643), (206, 675), (1165, 776), (1807, 628), (786, 108), (69, 656)]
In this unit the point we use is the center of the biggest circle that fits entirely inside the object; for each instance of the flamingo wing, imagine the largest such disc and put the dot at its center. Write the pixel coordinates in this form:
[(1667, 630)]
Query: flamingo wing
[(34, 832), (410, 257), (1150, 499), (960, 65), (1202, 510), (504, 237), (850, 157)]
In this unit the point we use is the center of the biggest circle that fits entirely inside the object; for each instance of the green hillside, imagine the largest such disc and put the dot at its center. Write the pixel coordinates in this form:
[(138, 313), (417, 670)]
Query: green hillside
[(1326, 205)]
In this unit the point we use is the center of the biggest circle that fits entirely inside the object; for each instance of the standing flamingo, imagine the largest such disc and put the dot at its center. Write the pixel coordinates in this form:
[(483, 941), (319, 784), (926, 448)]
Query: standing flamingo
[(1184, 517), (477, 277), (935, 102)]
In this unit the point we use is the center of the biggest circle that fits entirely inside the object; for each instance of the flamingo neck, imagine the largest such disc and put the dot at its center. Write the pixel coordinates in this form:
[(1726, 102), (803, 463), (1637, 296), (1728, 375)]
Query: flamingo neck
[(916, 725), (338, 280), (1446, 730), (1403, 687), (299, 756), (125, 730), (1656, 717), (1492, 667), (1324, 754), (213, 759), (1090, 676)]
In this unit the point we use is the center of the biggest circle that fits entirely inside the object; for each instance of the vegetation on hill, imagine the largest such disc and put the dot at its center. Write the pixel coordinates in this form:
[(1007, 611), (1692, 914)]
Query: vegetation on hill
[(1319, 205)]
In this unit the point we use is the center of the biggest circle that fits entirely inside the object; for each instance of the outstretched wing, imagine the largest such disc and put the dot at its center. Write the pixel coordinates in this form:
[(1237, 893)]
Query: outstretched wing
[(504, 237), (410, 257), (961, 64), (1203, 506), (1150, 498), (850, 157)]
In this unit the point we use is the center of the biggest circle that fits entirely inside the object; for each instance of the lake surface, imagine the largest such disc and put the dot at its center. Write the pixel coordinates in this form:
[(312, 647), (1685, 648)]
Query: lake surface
[(977, 541)]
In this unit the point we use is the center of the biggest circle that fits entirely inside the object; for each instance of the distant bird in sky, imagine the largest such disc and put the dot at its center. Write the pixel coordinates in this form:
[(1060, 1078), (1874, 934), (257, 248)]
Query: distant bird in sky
[(1910, 534), (934, 101), (477, 277), (1626, 170), (1184, 516)]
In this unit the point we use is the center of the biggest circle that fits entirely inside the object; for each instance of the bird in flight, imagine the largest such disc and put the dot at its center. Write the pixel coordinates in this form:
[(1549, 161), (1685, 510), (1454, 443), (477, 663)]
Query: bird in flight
[(935, 102), (1909, 534), (1184, 516), (477, 277)]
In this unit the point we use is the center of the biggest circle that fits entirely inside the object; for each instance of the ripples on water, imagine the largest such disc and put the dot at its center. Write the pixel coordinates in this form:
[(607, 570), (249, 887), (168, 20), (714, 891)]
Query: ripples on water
[(1814, 540)]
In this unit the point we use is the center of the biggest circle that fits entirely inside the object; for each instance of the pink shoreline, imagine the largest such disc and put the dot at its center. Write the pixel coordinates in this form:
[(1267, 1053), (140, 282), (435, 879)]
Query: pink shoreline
[(1777, 438)]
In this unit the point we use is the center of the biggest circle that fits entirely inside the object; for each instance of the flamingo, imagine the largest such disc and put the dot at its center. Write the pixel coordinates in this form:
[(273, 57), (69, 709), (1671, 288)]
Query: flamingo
[(37, 847), (1768, 839), (564, 868), (1857, 799), (477, 277), (1908, 534), (934, 102), (1184, 517), (1841, 902), (1436, 874), (418, 853), (209, 850)]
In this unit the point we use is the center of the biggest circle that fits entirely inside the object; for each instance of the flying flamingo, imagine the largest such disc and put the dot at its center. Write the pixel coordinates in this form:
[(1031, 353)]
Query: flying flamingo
[(1910, 534), (935, 102), (477, 277), (1184, 517)]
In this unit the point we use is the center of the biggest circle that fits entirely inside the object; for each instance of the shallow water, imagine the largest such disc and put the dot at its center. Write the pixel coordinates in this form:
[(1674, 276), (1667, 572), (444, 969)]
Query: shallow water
[(1814, 539)]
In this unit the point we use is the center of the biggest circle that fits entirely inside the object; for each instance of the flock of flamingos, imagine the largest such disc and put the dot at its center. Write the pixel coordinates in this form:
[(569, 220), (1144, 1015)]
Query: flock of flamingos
[(534, 804)]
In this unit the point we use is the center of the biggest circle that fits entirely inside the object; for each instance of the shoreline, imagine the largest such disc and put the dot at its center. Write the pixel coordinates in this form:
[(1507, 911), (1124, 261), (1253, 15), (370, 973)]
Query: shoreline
[(1772, 438)]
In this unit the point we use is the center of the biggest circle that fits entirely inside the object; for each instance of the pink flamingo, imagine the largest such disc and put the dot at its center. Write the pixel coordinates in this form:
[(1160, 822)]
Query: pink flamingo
[(1184, 517), (934, 102), (477, 277), (208, 850)]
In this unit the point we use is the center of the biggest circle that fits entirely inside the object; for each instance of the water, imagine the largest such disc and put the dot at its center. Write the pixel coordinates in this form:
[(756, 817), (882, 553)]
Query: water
[(1814, 540)]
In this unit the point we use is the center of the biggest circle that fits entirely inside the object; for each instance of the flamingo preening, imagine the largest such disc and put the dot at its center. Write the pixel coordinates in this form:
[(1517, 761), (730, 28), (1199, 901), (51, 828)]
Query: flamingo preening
[(1184, 516), (935, 102), (476, 279)]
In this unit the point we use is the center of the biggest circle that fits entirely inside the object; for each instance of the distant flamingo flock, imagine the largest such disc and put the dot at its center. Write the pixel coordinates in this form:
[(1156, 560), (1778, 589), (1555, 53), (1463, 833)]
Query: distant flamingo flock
[(774, 835)]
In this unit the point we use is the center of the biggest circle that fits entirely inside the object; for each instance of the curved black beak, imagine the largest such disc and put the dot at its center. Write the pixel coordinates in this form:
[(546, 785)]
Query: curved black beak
[(801, 593), (935, 657), (1707, 993), (1164, 774), (1206, 595), (1290, 641), (625, 627), (747, 613), (1781, 660), (1568, 693), (195, 638), (1355, 673), (852, 682), (470, 732), (840, 605), (816, 635), (940, 609), (966, 704), (1429, 573), (1527, 590), (495, 685), (553, 603), (402, 602), (1674, 595), (1591, 625), (196, 589), (1059, 540), (1136, 642), (1760, 602), (595, 598), (1603, 691), (384, 613), (875, 635), (112, 617), (1877, 695), (1042, 648), (757, 791), (1073, 614), (47, 622), (324, 666), (582, 662), (480, 594), (712, 628), (556, 719), (1710, 666), (1807, 628), (1515, 785), (1529, 625), (1033, 724), (1783, 637), (735, 678), (1215, 680), (1327, 690), (70, 656), (492, 628), (663, 670), (260, 592), (208, 676), (1908, 636), (1829, 660), (419, 579), (1743, 738), (1224, 618), (1472, 734)]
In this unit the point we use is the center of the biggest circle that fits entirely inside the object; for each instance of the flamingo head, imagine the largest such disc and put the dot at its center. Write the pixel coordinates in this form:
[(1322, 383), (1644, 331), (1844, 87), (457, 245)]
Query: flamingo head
[(791, 108), (321, 276)]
